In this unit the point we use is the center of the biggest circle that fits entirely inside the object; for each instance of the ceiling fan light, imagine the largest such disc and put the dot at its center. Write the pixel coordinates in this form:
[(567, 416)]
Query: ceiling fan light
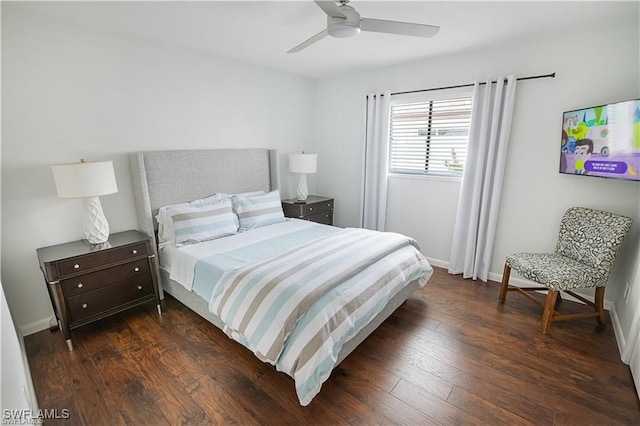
[(344, 30)]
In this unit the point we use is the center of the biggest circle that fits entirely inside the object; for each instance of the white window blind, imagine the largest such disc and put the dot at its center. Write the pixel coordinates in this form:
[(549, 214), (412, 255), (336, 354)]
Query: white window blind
[(430, 137)]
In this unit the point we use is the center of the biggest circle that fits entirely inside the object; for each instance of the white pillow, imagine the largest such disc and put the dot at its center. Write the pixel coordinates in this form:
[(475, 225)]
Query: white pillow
[(193, 224), (219, 195), (259, 210), (207, 200)]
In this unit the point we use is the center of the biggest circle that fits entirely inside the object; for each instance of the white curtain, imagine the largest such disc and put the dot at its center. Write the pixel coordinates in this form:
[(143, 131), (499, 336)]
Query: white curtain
[(477, 215), (374, 193)]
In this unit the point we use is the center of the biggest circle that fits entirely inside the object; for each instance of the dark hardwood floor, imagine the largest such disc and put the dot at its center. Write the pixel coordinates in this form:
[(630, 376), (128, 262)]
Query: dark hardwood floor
[(450, 355)]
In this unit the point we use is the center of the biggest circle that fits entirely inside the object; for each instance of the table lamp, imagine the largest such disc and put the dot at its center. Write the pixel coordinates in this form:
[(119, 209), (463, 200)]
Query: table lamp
[(88, 180), (302, 164)]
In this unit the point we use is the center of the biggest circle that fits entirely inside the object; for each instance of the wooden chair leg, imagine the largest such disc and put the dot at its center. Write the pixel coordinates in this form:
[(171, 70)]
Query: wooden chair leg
[(599, 302), (547, 313), (505, 283)]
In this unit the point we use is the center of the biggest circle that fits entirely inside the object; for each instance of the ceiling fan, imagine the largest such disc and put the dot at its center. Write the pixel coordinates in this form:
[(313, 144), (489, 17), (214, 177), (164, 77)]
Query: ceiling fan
[(344, 21)]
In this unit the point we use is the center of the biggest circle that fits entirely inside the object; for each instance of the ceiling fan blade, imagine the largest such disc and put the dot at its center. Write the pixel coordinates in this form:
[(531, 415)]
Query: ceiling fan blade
[(322, 34), (331, 8), (396, 27)]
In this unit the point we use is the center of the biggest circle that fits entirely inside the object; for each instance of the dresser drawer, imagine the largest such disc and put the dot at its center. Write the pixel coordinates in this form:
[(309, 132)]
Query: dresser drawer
[(101, 258), (325, 217), (107, 298), (94, 280)]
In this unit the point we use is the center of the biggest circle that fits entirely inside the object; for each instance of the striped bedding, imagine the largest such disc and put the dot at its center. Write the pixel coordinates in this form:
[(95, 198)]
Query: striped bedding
[(296, 308)]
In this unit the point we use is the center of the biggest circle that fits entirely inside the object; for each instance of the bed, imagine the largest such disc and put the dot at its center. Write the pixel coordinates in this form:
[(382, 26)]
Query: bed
[(215, 277)]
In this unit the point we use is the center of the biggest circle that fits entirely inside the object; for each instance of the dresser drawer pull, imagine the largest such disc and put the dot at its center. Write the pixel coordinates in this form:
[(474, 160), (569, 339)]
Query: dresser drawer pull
[(139, 287), (326, 215), (310, 209), (328, 204), (136, 269), (84, 306), (80, 285), (76, 266), (135, 252)]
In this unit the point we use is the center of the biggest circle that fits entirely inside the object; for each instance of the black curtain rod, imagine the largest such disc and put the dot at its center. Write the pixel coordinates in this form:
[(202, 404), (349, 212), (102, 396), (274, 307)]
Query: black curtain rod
[(531, 77)]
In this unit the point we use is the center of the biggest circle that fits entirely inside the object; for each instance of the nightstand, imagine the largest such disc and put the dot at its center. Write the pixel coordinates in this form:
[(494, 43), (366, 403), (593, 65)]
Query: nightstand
[(90, 282), (315, 208)]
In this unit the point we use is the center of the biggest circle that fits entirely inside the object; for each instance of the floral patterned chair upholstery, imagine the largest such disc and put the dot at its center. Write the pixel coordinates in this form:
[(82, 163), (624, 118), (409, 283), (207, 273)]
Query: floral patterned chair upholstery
[(587, 246)]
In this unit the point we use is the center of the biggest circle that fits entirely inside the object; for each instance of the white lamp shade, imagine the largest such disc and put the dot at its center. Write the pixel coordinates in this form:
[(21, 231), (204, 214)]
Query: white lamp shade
[(303, 163), (85, 179)]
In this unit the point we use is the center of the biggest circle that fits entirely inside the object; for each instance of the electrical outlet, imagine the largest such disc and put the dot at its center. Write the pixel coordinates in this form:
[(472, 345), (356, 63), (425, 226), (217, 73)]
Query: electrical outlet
[(627, 291)]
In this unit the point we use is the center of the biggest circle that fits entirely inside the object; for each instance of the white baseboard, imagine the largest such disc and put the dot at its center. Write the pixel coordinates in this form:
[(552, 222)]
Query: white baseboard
[(37, 326), (617, 331), (437, 262)]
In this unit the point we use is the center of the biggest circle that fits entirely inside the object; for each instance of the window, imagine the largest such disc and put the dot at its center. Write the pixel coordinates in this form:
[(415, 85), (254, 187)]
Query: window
[(429, 137)]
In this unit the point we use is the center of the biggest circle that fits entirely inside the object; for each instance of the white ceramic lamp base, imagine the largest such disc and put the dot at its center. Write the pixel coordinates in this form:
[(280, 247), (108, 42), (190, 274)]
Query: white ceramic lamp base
[(301, 191), (95, 226)]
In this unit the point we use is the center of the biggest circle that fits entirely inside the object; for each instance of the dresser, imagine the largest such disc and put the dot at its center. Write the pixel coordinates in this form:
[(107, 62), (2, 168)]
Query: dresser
[(315, 208), (90, 282)]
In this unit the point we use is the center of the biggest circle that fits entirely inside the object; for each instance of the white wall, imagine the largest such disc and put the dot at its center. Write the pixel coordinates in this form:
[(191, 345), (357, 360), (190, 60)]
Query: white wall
[(426, 210), (595, 64), (70, 91)]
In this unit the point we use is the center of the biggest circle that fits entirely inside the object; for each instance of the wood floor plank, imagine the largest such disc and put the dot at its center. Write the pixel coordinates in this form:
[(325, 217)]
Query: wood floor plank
[(557, 364), (367, 373), (392, 360), (78, 369), (500, 392), (433, 406), (488, 368), (535, 352), (449, 355), (125, 384), (385, 403), (486, 411), (175, 405), (221, 408)]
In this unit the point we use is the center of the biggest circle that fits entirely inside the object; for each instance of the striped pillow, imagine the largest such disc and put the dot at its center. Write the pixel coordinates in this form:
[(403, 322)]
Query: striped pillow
[(166, 234), (194, 224), (259, 210)]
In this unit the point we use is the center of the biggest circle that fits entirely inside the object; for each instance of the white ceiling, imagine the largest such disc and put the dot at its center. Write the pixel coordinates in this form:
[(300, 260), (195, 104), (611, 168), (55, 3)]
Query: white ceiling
[(260, 32)]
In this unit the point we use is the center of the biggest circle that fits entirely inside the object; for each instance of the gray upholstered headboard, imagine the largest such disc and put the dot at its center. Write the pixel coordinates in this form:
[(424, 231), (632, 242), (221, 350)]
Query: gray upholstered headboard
[(161, 178)]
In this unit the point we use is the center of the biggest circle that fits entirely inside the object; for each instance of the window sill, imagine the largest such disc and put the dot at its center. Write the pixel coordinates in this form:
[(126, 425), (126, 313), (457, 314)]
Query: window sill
[(455, 179)]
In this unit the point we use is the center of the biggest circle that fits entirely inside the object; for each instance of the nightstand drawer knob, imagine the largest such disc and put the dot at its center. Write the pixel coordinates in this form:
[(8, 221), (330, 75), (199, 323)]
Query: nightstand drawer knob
[(76, 266), (136, 269), (139, 287), (310, 209), (80, 285), (135, 252), (84, 306)]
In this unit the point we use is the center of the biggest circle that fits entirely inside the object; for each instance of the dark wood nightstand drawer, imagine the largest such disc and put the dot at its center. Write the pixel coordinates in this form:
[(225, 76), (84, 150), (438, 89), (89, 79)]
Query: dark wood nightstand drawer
[(97, 259), (110, 297), (315, 208), (325, 217), (94, 280), (299, 210)]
